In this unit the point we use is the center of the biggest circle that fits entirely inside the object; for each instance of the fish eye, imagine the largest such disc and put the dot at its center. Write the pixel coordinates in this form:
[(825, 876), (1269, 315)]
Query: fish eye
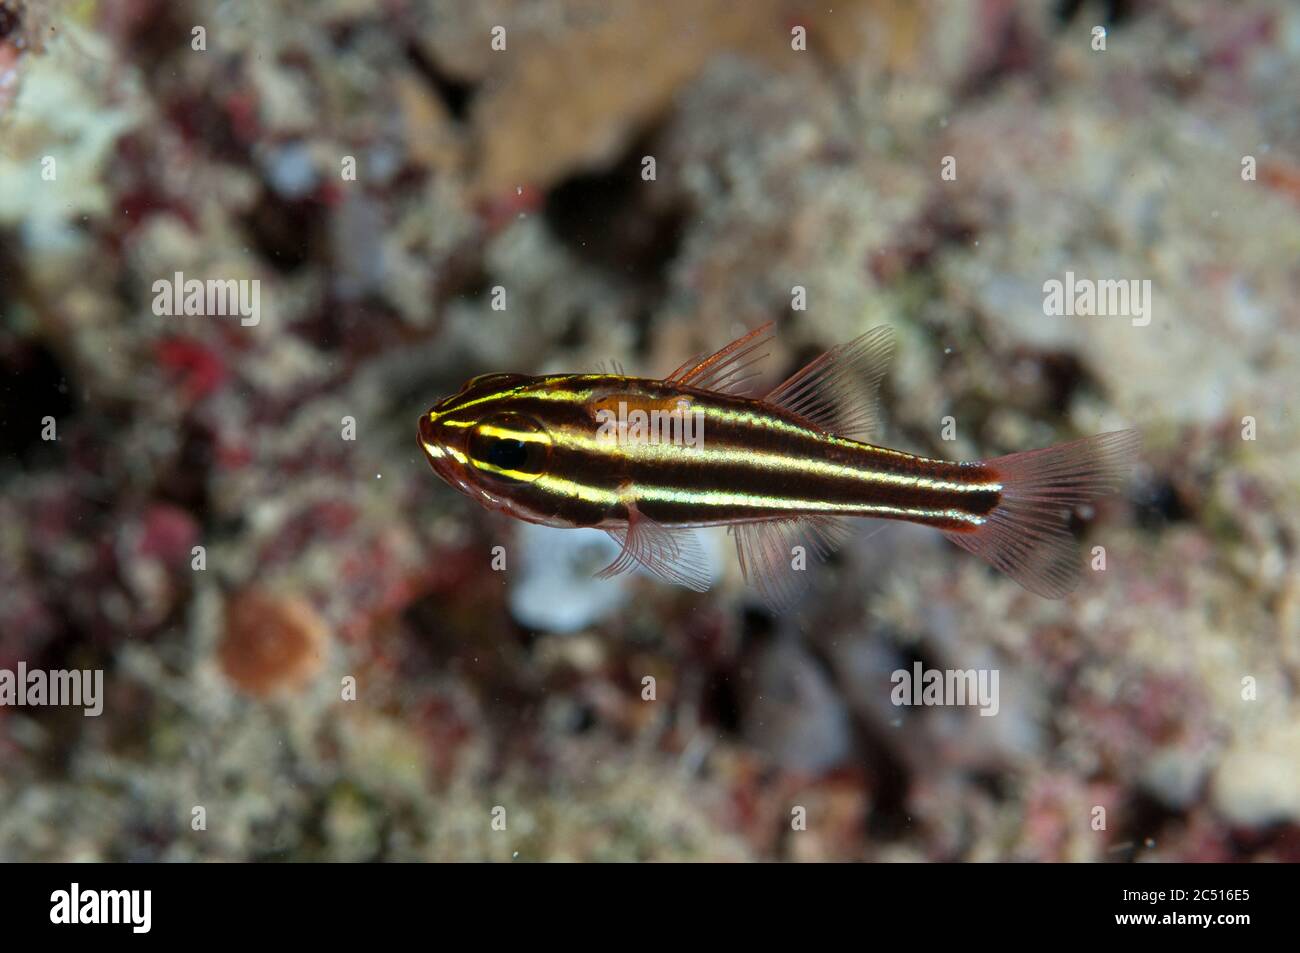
[(510, 447)]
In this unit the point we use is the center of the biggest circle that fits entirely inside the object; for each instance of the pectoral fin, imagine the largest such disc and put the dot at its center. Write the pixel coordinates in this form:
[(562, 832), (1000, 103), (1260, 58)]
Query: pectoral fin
[(671, 553)]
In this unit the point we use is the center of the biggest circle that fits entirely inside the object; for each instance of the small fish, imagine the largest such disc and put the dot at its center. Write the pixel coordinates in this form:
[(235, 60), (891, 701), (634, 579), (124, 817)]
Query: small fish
[(649, 460)]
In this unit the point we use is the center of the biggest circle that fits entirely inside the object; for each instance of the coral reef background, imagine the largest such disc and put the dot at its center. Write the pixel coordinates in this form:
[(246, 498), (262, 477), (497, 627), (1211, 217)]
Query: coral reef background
[(1163, 691)]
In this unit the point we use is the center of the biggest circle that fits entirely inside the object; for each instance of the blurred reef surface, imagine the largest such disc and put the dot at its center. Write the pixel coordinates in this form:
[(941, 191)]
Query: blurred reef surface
[(1165, 690)]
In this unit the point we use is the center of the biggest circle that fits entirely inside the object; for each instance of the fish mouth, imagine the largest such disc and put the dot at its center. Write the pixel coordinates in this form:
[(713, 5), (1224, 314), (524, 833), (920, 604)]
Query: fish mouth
[(449, 463), (436, 453), (438, 459), (442, 464)]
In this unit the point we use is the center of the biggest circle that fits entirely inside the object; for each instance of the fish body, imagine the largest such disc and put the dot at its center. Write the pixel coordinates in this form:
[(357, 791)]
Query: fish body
[(649, 460)]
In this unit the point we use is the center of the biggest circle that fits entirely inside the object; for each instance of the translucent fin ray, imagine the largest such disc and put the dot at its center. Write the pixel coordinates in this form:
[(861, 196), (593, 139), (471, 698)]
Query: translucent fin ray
[(766, 553), (672, 554), (730, 370), (838, 391), (1027, 536)]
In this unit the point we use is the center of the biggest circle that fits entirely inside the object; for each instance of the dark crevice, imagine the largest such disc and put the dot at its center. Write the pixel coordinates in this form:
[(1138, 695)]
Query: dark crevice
[(991, 783), (940, 225), (757, 624), (890, 777), (1113, 12), (33, 385), (185, 483), (1160, 503), (1144, 818), (722, 702), (455, 95), (1063, 374), (155, 31), (358, 327), (10, 21), (288, 234), (1016, 52), (575, 332), (206, 124), (890, 780), (610, 219)]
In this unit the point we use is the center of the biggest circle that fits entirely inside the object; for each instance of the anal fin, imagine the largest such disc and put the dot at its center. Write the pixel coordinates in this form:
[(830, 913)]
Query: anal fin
[(768, 557)]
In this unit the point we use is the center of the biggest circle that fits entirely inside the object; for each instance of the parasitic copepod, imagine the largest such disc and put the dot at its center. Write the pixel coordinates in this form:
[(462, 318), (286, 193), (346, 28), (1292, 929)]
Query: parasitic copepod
[(649, 460)]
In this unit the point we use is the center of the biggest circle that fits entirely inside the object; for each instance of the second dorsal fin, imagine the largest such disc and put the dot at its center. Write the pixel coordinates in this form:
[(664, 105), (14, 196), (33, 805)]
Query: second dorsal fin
[(838, 390)]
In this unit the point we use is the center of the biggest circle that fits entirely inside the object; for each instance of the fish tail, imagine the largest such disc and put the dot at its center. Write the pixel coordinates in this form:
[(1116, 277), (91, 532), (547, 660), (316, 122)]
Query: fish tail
[(1027, 534)]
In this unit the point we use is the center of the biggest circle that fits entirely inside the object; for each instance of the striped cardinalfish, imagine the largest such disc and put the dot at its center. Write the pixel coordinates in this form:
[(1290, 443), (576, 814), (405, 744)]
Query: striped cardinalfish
[(648, 461)]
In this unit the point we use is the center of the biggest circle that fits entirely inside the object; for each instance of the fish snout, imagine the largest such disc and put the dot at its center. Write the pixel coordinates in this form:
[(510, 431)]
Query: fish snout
[(433, 443)]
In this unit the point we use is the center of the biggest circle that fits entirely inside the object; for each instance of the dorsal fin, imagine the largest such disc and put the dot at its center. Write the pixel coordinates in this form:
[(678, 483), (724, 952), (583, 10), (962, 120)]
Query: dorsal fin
[(730, 370), (837, 391)]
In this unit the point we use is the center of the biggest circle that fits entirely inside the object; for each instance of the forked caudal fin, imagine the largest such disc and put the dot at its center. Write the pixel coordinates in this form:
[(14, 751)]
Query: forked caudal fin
[(1027, 535)]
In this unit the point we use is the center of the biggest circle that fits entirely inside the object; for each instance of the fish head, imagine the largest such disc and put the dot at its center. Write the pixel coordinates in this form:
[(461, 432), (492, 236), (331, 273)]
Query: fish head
[(488, 441)]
